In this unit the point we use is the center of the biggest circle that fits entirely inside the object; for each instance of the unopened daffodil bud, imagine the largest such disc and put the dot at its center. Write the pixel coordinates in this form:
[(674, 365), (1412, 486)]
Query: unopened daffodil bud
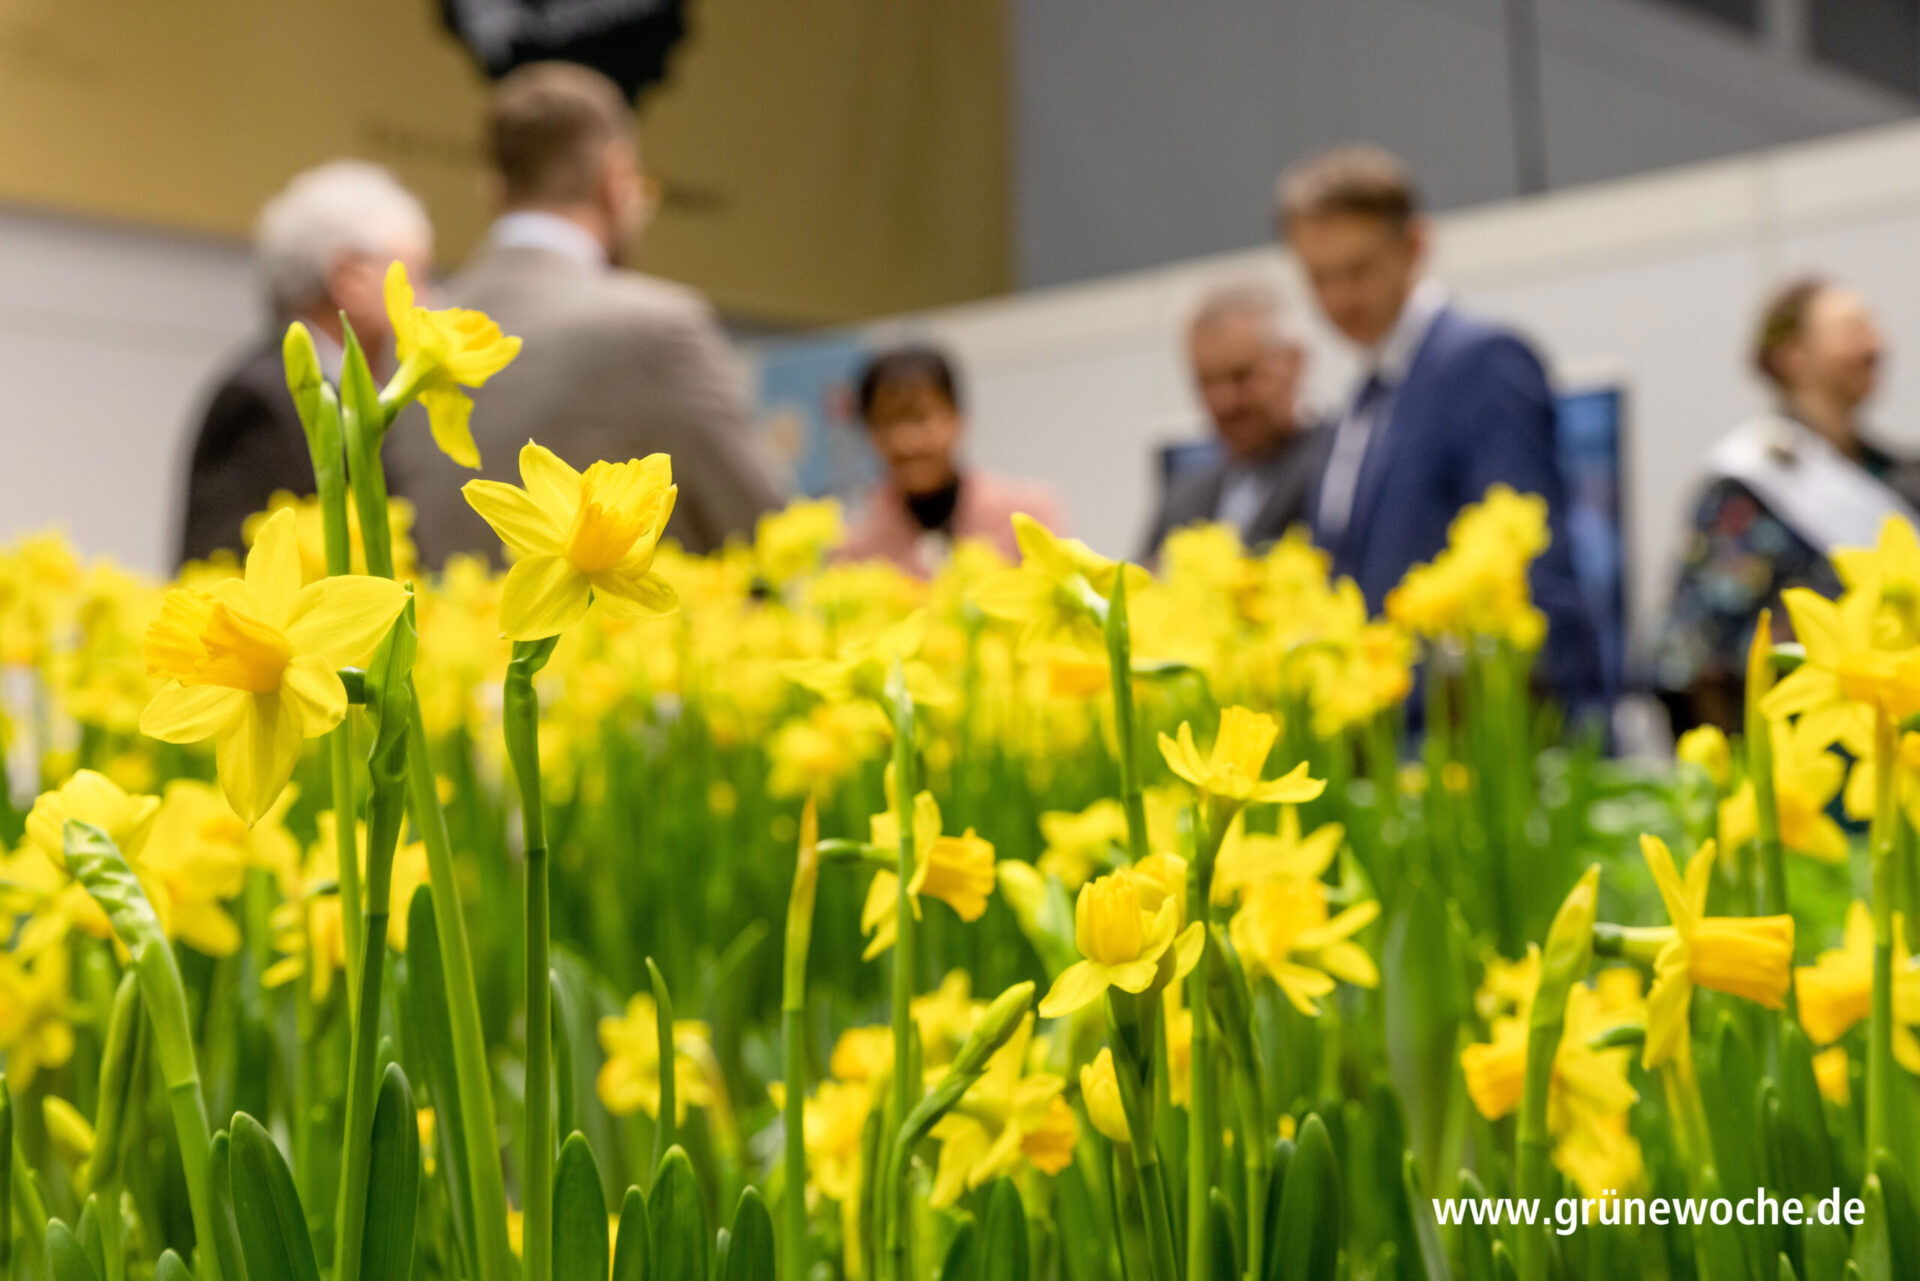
[(1100, 1090)]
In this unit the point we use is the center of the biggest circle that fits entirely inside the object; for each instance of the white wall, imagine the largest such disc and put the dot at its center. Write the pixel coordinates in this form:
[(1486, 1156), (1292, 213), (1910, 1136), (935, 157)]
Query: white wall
[(1651, 282), (108, 337), (1147, 133)]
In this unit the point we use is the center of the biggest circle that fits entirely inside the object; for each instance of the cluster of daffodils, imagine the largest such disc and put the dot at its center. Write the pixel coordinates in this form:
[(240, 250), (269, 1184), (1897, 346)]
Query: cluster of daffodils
[(461, 895)]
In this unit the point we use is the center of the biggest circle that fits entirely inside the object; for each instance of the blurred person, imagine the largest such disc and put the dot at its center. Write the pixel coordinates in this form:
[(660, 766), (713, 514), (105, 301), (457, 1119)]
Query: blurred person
[(615, 364), (1783, 490), (323, 245), (910, 401), (1246, 367), (1447, 405)]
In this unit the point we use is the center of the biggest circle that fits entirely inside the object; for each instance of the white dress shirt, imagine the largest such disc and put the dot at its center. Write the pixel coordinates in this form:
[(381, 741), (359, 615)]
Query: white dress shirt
[(1387, 365), (534, 229)]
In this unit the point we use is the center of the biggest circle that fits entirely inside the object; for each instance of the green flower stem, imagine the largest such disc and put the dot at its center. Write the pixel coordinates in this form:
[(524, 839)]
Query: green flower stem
[(488, 1193), (1883, 1072), (521, 719), (97, 864), (320, 415), (389, 691), (793, 1008), (1564, 961), (1133, 1030), (1126, 747), (364, 422), (1203, 1135), (905, 785)]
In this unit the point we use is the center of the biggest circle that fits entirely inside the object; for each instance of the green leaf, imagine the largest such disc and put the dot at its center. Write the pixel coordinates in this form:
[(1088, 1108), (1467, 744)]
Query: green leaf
[(1786, 1270), (1872, 1246), (6, 1177), (1306, 1245), (1504, 1268), (667, 1113), (1224, 1255), (1422, 992), (579, 1214), (1432, 1257), (170, 1268), (632, 1251), (1003, 1236), (1903, 1225), (1806, 1154), (750, 1253), (273, 1227), (1476, 1239), (962, 1261), (393, 1182), (677, 1220), (227, 1229), (66, 1256), (90, 1235), (430, 1030)]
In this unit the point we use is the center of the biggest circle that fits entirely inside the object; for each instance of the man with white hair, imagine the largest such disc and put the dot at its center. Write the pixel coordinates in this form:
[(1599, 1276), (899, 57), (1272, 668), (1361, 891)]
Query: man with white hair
[(323, 245), (1246, 367)]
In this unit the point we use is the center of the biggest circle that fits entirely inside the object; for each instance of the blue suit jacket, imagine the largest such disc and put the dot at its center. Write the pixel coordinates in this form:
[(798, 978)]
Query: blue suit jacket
[(1473, 410)]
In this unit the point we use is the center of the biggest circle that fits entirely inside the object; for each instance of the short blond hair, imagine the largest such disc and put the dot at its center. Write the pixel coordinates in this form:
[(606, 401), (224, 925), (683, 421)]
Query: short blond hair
[(548, 128), (1362, 180)]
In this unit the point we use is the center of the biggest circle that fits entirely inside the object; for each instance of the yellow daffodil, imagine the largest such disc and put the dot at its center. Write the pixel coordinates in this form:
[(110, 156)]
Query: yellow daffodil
[(1705, 747), (1745, 956), (254, 663), (1847, 673), (629, 1080), (1806, 778), (863, 664), (1831, 1072), (440, 352), (957, 870), (1052, 592), (788, 544), (1080, 845), (1100, 1091), (35, 1007), (1230, 773), (1121, 945), (1247, 859), (1890, 569), (578, 536), (1836, 991), (1283, 930), (942, 1019), (1006, 1116)]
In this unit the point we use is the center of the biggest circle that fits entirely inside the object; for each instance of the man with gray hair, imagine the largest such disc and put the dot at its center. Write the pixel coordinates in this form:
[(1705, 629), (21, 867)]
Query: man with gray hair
[(322, 245), (1246, 367)]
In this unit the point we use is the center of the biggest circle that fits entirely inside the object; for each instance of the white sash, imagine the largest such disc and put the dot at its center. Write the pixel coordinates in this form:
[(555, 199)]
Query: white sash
[(1813, 488)]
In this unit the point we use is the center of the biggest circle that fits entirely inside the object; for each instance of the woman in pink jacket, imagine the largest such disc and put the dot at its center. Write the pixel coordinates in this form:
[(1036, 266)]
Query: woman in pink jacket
[(910, 401)]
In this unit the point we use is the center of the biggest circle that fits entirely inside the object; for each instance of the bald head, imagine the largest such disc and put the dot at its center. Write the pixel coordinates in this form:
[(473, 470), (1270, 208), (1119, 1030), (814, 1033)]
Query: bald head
[(1246, 368)]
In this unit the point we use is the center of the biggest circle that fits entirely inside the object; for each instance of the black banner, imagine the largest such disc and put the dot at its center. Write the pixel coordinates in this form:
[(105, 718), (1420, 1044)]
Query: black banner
[(627, 40)]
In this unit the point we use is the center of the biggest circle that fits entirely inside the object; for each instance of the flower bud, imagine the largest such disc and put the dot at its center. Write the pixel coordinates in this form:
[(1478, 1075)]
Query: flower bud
[(994, 1029)]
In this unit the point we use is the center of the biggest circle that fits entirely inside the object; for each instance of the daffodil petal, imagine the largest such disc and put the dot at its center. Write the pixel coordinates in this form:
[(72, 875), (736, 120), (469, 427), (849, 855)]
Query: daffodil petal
[(543, 596), (1079, 984), (273, 566), (188, 713), (448, 414), (640, 596), (341, 619), (257, 754), (314, 695), (521, 523), (552, 484)]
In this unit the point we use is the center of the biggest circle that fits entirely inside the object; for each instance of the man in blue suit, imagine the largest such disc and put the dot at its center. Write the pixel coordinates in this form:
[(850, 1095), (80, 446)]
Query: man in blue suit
[(1446, 407)]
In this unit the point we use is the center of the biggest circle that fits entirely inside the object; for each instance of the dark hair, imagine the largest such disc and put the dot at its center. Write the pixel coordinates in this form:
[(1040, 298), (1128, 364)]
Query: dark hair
[(919, 365), (1783, 320), (547, 127), (1365, 180)]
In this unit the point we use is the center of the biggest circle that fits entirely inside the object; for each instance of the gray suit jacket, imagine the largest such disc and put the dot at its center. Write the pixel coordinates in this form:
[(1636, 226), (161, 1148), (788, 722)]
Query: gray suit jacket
[(1292, 475), (615, 365)]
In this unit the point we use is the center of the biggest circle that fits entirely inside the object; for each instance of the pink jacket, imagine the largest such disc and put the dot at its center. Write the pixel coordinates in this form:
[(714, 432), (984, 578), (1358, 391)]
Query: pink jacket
[(883, 529)]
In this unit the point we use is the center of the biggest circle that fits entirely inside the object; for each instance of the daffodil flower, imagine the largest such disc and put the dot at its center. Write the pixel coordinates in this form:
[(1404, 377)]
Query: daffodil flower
[(440, 352), (1121, 944), (957, 870), (1247, 859), (1891, 569), (1008, 1114), (629, 1079), (1052, 592), (1100, 1091), (1230, 773), (580, 537), (1847, 673), (1806, 778), (253, 663), (860, 669), (1283, 930), (1080, 845), (1744, 956)]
